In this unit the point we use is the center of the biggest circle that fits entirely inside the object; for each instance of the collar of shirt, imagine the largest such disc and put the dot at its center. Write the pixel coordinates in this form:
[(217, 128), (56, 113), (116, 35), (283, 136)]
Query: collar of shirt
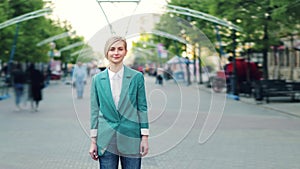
[(112, 75)]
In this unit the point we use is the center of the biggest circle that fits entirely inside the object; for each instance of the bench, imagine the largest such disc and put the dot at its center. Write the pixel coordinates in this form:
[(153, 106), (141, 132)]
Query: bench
[(278, 88), (296, 90)]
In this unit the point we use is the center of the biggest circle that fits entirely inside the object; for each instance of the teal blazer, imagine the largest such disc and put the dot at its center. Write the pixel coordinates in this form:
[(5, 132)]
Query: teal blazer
[(125, 121)]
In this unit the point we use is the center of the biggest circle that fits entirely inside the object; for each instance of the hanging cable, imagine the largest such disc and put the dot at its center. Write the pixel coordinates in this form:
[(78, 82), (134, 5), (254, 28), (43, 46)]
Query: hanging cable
[(131, 18), (109, 24)]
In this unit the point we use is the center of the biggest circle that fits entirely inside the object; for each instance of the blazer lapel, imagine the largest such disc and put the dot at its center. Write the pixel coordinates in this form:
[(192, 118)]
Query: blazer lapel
[(106, 87), (125, 85)]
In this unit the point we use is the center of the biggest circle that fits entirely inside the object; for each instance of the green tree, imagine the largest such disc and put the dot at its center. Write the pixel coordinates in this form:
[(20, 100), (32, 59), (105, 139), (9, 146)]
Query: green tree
[(5, 34), (263, 22), (31, 32)]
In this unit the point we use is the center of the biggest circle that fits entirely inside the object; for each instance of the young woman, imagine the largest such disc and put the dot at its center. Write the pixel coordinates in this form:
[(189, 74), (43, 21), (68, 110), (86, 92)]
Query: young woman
[(119, 119)]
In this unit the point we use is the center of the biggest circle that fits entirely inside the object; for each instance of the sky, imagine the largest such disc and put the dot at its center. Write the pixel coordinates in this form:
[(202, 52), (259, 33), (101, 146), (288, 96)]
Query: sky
[(87, 18)]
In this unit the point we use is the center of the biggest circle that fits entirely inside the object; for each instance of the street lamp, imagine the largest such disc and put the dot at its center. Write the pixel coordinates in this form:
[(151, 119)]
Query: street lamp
[(25, 17), (56, 37), (73, 45), (215, 20), (201, 15)]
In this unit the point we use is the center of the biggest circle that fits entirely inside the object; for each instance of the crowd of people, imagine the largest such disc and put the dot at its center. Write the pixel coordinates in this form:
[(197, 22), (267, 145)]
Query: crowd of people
[(27, 84), (29, 80)]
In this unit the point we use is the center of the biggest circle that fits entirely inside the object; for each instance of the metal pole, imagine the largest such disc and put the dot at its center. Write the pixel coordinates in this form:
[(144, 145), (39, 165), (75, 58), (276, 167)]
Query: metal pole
[(25, 17), (194, 64), (248, 66), (12, 53), (200, 65), (266, 42), (187, 62), (234, 74), (220, 44), (201, 15), (292, 64), (265, 52), (106, 18)]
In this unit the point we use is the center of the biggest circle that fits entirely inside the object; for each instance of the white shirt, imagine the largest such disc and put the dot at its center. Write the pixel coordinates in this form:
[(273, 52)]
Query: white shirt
[(116, 80)]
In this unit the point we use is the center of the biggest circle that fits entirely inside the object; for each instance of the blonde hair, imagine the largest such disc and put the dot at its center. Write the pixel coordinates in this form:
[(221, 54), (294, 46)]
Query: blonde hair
[(111, 41)]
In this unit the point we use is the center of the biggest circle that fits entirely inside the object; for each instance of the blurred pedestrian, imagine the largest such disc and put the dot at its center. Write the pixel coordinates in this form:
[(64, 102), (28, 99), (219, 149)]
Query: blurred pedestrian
[(79, 78), (159, 79), (19, 80), (188, 72), (4, 70), (119, 121), (228, 75), (36, 84), (94, 69), (159, 76), (5, 74)]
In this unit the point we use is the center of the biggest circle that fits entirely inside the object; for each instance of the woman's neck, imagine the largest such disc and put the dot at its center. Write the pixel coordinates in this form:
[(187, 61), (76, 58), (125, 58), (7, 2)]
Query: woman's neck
[(115, 68)]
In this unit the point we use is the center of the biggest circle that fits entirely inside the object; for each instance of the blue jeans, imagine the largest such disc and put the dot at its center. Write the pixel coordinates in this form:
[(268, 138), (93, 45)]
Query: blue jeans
[(110, 158), (79, 84), (19, 88)]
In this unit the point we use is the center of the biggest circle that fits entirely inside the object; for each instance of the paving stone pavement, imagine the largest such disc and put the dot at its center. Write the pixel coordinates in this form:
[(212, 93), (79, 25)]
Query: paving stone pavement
[(249, 136)]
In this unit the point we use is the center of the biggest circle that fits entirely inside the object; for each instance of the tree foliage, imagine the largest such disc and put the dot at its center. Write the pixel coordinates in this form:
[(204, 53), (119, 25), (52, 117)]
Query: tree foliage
[(31, 32), (263, 23)]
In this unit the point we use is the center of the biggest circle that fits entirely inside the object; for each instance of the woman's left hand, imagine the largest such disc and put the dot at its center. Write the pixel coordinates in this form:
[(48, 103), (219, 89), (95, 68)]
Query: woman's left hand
[(144, 146)]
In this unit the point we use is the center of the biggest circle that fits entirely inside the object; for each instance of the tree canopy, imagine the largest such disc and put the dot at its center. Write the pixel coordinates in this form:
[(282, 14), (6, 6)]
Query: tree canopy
[(31, 32), (263, 23)]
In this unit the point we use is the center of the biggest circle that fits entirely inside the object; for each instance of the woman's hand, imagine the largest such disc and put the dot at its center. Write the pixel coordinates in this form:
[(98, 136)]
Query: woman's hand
[(144, 147), (93, 150)]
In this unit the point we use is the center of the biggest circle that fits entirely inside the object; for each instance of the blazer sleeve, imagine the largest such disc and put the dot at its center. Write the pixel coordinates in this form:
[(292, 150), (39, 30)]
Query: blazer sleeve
[(142, 103), (94, 108)]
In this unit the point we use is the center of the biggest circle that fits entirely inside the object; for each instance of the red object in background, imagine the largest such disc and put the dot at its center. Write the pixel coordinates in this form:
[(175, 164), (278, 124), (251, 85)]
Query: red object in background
[(55, 76), (55, 68), (221, 74), (242, 67), (140, 69)]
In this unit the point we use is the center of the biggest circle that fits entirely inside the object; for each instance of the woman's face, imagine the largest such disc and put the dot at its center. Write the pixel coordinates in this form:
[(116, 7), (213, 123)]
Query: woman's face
[(116, 52)]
